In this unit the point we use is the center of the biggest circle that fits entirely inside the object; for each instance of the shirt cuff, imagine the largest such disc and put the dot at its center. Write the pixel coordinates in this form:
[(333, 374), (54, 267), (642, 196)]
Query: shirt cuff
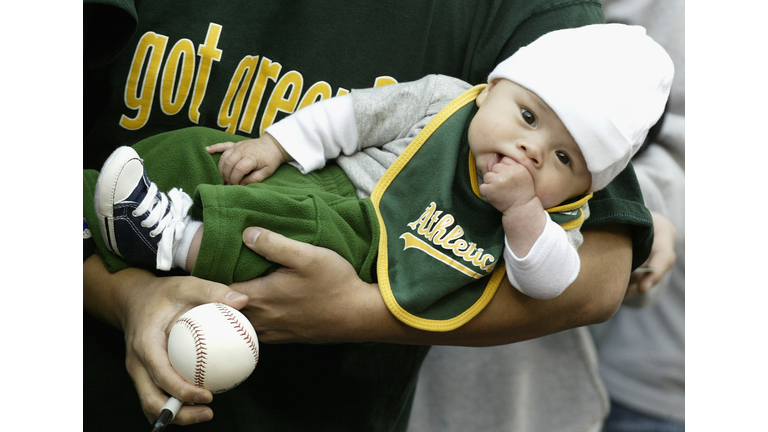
[(318, 132), (549, 268)]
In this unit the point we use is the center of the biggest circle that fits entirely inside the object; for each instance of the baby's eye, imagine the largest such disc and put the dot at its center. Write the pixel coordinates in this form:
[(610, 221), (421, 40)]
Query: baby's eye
[(529, 117), (562, 157)]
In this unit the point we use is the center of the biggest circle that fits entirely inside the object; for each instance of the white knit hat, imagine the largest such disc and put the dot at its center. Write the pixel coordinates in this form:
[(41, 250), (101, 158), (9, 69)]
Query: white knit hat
[(608, 84)]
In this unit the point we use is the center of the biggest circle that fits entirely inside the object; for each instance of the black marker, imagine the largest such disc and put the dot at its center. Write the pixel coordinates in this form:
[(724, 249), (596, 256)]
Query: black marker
[(167, 413)]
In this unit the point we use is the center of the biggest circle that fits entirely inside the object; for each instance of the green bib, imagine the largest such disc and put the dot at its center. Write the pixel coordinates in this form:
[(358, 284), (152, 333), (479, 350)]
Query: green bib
[(440, 244)]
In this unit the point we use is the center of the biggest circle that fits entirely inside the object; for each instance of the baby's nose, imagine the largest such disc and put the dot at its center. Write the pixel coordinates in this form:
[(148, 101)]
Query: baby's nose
[(531, 151)]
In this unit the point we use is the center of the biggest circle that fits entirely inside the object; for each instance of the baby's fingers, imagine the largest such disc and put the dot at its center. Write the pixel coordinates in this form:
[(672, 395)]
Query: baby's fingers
[(220, 147), (228, 162), (257, 176), (240, 169)]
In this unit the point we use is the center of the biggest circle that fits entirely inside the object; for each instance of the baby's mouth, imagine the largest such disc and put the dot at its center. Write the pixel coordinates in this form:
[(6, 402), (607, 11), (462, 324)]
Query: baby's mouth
[(496, 158)]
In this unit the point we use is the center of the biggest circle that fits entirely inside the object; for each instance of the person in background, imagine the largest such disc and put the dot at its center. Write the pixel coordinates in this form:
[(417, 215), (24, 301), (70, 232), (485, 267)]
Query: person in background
[(641, 350)]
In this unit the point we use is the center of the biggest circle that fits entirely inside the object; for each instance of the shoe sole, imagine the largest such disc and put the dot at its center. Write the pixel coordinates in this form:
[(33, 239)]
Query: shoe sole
[(107, 191)]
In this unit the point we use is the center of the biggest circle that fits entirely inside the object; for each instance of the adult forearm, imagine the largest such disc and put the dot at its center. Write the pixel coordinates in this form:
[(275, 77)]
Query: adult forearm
[(100, 292), (317, 297), (511, 316)]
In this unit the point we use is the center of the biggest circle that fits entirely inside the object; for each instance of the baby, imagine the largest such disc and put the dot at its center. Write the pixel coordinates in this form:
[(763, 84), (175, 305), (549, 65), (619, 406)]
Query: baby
[(435, 164)]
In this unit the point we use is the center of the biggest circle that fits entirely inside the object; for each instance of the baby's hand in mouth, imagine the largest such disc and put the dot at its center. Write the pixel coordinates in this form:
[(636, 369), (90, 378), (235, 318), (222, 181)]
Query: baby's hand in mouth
[(507, 183)]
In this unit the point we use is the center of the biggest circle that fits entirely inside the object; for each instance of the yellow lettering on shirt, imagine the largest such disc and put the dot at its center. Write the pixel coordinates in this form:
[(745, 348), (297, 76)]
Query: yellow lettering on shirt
[(319, 91), (268, 70), (384, 80), (238, 87), (208, 53), (138, 95), (186, 72), (181, 63), (284, 98)]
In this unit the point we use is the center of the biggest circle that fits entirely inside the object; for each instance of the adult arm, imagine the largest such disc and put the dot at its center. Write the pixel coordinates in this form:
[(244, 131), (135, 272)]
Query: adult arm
[(145, 307), (303, 301)]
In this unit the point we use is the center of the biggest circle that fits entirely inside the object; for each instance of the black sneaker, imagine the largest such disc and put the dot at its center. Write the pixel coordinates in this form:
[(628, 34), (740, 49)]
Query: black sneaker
[(138, 222)]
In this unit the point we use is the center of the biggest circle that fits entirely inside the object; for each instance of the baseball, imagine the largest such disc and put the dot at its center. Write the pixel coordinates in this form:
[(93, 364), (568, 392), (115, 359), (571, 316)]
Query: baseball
[(213, 346)]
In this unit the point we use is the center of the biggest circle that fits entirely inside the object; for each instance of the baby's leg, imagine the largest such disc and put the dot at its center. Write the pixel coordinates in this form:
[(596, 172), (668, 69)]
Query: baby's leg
[(175, 159), (194, 249), (320, 208)]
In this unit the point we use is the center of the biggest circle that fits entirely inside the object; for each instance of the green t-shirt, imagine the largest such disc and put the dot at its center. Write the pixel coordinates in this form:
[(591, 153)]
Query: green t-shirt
[(238, 66)]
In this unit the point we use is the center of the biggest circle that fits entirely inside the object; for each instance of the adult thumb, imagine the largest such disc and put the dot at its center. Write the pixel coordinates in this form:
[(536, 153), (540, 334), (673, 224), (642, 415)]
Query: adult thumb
[(250, 235), (278, 248), (202, 291)]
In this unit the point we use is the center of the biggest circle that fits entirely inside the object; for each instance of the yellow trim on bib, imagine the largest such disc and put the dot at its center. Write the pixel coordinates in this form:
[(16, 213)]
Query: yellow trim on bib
[(576, 205), (463, 99), (473, 175), (382, 267)]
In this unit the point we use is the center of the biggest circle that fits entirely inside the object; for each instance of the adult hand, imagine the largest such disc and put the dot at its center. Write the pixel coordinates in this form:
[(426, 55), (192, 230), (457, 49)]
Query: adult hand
[(279, 302), (145, 307), (660, 261)]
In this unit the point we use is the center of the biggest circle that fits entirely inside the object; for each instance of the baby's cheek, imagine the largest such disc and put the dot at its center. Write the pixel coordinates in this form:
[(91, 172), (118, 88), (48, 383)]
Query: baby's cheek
[(547, 195)]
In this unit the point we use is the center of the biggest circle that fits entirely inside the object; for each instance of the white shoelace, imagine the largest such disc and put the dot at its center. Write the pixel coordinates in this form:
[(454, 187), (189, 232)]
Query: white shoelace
[(172, 224)]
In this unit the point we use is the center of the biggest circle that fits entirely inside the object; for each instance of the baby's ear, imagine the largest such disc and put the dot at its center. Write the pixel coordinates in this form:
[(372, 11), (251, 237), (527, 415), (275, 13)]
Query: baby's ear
[(483, 94)]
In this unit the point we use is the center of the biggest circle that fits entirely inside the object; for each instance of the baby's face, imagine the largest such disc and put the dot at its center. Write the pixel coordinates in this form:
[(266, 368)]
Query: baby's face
[(512, 121)]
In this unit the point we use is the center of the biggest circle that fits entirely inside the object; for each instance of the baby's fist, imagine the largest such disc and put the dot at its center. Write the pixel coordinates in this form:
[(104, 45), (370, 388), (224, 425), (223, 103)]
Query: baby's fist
[(249, 161), (507, 185)]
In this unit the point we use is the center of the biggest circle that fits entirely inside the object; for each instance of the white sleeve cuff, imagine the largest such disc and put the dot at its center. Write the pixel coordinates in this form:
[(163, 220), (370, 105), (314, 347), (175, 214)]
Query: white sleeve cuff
[(549, 268), (318, 132)]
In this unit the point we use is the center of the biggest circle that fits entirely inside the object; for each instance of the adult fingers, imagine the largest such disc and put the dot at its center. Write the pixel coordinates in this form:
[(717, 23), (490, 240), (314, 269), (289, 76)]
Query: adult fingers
[(660, 265), (195, 291), (662, 257), (146, 344), (279, 249), (152, 398), (155, 361)]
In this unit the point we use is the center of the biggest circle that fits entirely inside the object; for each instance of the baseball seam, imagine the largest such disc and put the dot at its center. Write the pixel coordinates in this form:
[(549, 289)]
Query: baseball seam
[(201, 352), (240, 329)]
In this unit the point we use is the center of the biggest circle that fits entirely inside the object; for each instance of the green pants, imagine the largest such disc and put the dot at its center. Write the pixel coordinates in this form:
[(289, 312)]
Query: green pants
[(320, 208)]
